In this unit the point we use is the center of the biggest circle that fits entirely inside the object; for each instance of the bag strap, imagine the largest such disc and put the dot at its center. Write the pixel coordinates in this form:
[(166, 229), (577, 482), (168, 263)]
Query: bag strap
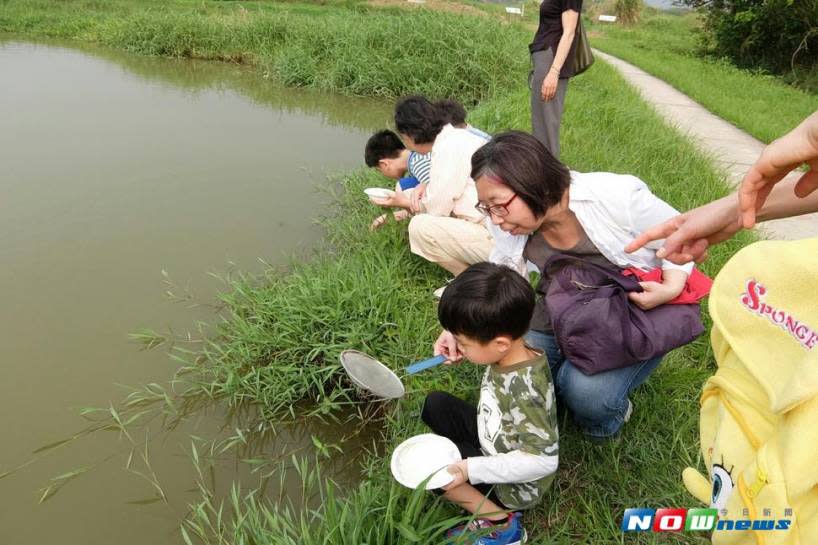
[(625, 282)]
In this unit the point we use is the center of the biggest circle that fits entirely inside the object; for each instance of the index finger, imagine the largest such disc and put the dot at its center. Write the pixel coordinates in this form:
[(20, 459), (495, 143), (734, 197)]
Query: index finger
[(657, 232)]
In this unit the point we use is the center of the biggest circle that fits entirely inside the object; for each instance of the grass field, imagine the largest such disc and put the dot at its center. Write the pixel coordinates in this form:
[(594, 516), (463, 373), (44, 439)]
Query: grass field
[(277, 344), (297, 325), (666, 46)]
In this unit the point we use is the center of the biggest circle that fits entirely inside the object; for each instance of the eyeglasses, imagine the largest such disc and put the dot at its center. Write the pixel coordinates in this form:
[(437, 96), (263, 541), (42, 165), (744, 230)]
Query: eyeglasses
[(499, 210)]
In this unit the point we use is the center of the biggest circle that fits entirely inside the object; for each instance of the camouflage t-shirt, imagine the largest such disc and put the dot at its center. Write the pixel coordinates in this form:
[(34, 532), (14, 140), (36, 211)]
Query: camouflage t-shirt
[(517, 427)]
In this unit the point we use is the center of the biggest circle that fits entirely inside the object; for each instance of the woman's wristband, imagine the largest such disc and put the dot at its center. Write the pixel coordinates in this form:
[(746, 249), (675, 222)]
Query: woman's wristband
[(555, 69)]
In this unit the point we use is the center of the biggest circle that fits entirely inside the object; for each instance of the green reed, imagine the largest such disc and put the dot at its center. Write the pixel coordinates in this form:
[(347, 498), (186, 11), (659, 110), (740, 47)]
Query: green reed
[(349, 48)]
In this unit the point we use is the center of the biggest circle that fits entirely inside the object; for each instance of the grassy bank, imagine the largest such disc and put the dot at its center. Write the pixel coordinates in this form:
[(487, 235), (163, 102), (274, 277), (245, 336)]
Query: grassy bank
[(277, 345), (666, 46), (349, 48), (370, 293)]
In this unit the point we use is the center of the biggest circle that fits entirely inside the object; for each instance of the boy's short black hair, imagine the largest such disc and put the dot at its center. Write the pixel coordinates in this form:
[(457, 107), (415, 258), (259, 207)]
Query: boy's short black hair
[(452, 111), (485, 301), (418, 119), (382, 145)]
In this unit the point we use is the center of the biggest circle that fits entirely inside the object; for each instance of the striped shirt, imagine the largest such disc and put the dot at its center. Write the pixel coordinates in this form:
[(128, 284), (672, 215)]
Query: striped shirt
[(420, 166)]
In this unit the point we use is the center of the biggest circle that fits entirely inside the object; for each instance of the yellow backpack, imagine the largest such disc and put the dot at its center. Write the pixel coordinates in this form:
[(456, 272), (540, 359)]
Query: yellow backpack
[(759, 412)]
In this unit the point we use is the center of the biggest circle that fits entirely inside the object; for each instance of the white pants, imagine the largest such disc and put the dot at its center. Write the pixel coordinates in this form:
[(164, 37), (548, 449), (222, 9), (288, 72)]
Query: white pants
[(444, 238)]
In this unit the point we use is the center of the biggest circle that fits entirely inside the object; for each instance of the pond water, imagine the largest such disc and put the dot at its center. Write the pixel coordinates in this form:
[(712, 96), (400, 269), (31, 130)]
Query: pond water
[(114, 168)]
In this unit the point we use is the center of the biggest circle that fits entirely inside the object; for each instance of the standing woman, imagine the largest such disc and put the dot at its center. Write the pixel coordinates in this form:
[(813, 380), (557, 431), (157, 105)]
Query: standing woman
[(552, 54)]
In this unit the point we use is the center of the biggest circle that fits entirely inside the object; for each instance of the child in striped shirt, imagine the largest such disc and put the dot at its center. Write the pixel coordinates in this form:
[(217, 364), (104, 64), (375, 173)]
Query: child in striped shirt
[(386, 152)]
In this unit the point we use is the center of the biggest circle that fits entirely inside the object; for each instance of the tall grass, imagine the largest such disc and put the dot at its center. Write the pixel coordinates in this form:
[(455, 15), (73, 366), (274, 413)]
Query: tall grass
[(353, 50), (376, 511), (628, 11)]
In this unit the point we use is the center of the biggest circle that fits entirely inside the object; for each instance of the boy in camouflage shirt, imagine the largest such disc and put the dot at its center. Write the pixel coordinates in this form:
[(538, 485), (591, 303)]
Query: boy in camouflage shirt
[(509, 442)]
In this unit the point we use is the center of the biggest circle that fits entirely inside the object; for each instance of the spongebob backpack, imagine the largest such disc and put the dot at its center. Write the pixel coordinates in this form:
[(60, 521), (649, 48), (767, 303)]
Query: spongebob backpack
[(759, 412)]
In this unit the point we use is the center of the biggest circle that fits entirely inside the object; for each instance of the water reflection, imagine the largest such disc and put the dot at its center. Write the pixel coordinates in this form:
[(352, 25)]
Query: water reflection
[(197, 75)]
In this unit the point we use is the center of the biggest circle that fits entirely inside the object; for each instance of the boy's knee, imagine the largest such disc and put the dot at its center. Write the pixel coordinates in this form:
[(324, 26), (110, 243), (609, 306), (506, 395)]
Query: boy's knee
[(434, 403)]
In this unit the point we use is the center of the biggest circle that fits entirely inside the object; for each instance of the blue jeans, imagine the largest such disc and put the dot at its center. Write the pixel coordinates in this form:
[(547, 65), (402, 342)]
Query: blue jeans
[(598, 402)]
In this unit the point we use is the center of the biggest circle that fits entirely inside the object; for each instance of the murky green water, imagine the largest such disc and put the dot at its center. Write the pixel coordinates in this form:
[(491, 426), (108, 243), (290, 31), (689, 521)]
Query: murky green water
[(114, 168)]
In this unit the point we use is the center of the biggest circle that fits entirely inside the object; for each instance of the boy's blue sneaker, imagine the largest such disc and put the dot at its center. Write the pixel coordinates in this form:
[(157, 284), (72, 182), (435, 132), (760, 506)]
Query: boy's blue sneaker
[(486, 533)]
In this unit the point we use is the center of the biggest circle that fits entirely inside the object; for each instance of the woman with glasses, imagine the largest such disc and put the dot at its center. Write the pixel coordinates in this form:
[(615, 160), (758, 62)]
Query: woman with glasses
[(525, 191)]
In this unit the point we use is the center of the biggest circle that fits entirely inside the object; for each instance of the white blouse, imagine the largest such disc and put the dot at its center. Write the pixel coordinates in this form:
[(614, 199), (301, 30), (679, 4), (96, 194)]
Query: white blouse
[(613, 209)]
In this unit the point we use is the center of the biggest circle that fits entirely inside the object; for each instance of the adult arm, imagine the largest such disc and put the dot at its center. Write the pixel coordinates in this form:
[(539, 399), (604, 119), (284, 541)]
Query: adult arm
[(398, 200), (688, 236), (646, 209), (416, 198), (762, 196), (570, 18), (658, 293), (784, 155)]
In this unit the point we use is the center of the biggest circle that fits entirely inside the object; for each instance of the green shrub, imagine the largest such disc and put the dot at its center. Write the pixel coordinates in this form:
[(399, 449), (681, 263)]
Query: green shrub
[(628, 11), (774, 35)]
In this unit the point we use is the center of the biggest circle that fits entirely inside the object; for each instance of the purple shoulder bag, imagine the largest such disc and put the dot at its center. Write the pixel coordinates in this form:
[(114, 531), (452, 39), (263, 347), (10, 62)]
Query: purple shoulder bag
[(596, 325)]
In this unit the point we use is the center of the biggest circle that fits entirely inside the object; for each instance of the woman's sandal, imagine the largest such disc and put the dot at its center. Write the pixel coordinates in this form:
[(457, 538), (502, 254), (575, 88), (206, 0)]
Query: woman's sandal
[(378, 222), (401, 215), (381, 220)]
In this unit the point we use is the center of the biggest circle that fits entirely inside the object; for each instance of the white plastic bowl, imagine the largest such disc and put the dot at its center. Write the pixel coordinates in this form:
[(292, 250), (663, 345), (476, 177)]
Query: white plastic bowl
[(421, 456), (378, 192)]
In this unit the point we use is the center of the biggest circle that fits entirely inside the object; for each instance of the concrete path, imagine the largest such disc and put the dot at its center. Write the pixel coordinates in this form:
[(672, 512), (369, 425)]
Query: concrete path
[(731, 149)]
